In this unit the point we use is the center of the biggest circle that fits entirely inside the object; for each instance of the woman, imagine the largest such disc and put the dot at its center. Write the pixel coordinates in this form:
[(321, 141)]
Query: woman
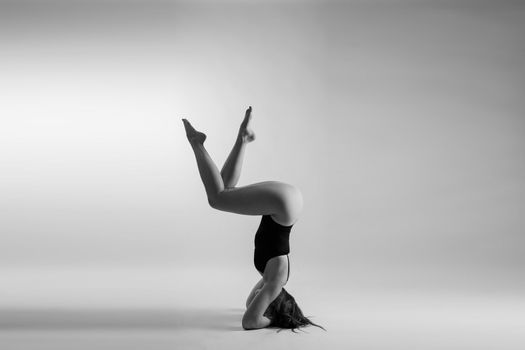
[(279, 204)]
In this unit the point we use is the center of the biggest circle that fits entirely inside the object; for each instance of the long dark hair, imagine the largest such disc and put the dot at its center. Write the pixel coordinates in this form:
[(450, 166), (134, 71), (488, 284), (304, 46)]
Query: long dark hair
[(285, 313)]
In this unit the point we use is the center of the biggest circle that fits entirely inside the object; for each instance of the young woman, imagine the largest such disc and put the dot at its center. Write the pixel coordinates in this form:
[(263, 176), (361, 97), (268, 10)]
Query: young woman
[(280, 204)]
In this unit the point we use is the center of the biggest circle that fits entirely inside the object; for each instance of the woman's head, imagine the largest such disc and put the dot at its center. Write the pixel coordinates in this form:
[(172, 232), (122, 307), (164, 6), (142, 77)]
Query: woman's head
[(285, 313)]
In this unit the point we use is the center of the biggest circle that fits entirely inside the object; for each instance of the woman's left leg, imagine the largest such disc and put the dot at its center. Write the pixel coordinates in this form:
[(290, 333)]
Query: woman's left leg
[(231, 171), (278, 199)]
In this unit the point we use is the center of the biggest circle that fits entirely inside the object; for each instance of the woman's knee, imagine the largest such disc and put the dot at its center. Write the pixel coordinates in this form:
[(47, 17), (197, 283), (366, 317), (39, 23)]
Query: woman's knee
[(213, 200), (219, 201)]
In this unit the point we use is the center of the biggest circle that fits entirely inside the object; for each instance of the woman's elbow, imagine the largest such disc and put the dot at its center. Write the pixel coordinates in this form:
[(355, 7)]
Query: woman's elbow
[(249, 323)]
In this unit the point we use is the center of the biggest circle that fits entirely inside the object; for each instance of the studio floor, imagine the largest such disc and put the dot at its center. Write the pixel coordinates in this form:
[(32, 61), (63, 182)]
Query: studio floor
[(149, 309)]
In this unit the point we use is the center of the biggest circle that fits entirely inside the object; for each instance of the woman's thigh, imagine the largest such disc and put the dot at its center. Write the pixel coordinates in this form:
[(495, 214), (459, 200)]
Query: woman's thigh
[(281, 200)]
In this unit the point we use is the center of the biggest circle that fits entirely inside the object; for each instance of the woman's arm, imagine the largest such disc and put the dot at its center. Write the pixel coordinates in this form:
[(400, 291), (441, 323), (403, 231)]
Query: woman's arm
[(251, 296), (253, 317), (256, 289)]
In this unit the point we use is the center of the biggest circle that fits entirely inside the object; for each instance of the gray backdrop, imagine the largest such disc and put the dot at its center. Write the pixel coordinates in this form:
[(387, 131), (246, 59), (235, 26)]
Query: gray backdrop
[(401, 122)]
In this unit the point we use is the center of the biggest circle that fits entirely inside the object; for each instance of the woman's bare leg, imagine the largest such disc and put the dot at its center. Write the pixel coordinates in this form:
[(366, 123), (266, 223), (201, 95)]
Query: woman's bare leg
[(208, 171), (282, 201), (231, 171)]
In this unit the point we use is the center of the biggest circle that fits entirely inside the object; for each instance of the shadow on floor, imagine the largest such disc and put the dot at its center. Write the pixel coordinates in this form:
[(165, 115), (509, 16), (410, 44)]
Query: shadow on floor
[(115, 319)]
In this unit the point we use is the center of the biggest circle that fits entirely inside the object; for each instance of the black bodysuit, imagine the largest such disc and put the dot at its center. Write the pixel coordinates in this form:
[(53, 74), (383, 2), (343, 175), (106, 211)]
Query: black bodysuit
[(271, 240)]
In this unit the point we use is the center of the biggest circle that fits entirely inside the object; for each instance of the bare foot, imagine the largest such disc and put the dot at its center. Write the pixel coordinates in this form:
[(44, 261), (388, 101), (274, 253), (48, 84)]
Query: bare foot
[(193, 135), (245, 133)]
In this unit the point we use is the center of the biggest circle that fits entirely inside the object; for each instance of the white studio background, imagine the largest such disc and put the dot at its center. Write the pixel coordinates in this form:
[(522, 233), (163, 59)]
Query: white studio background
[(401, 122)]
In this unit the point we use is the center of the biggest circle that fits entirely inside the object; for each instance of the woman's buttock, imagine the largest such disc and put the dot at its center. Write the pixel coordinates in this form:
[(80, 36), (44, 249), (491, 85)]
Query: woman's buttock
[(290, 199)]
